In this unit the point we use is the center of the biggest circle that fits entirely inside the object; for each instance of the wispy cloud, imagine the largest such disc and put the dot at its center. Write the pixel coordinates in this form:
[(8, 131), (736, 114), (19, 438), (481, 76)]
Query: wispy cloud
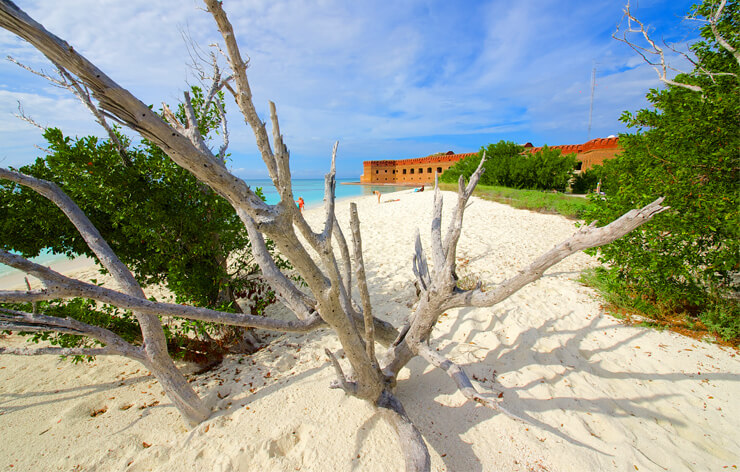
[(388, 79)]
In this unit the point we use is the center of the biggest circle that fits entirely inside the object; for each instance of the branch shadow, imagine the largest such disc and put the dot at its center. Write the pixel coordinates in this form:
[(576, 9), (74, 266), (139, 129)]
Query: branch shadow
[(515, 356), (74, 393)]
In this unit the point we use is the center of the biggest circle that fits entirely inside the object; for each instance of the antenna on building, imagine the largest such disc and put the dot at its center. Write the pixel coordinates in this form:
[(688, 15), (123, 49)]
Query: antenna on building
[(591, 110)]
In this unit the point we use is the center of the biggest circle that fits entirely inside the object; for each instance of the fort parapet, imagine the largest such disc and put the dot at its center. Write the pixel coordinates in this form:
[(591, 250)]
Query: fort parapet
[(590, 153), (421, 170), (416, 171)]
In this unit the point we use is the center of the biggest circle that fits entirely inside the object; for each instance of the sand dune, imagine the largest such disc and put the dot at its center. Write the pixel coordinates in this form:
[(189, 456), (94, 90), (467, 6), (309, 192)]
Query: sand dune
[(599, 395)]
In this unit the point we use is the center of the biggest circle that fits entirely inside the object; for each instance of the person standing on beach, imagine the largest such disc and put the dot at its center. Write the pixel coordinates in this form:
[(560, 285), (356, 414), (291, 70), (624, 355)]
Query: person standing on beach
[(301, 203), (375, 192)]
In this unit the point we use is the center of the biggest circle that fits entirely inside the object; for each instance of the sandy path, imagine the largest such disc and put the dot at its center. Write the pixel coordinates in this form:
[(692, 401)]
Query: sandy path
[(599, 395)]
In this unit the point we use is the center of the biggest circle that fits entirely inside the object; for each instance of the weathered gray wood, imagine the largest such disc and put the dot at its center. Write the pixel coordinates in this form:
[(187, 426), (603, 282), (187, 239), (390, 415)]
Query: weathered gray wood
[(587, 237), (330, 301), (155, 345), (458, 375), (415, 452), (367, 309)]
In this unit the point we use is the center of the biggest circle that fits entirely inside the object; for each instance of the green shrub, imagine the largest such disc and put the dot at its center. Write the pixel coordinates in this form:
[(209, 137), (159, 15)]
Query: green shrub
[(587, 180), (508, 165), (685, 149)]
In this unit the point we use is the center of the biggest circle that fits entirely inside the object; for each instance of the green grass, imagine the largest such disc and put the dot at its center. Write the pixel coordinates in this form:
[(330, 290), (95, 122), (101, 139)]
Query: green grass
[(721, 320), (535, 200)]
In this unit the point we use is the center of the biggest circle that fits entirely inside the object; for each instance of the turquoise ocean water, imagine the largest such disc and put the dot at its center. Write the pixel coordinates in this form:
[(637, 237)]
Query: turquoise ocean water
[(312, 191)]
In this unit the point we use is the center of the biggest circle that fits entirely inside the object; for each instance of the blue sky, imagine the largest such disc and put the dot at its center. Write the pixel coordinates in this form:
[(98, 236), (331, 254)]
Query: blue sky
[(389, 80)]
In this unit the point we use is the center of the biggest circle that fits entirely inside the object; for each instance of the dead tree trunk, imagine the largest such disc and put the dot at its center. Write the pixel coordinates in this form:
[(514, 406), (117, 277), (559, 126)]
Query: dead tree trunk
[(328, 274)]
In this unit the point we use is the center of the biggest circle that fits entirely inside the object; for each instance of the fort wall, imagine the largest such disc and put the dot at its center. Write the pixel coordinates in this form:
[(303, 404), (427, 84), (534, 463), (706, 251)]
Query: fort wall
[(415, 171), (590, 153), (421, 170)]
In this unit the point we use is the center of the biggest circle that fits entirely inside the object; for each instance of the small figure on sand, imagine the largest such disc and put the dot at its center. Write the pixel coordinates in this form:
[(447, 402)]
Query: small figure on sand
[(375, 192), (301, 203), (419, 189)]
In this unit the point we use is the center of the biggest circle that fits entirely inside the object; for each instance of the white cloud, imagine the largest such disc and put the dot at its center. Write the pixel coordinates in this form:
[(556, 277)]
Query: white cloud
[(390, 79)]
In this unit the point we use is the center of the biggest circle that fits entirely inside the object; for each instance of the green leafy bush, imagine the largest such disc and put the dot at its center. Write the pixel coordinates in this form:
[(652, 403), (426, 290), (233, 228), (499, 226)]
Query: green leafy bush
[(587, 180), (686, 149), (163, 224), (508, 165)]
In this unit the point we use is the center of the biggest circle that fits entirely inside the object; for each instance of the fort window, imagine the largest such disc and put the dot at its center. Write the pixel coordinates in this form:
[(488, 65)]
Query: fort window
[(439, 170), (429, 170), (404, 172), (579, 164), (376, 171), (412, 171), (421, 170)]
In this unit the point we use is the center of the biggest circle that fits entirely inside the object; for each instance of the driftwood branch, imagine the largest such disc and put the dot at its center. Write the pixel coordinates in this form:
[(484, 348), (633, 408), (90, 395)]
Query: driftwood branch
[(60, 286), (588, 237), (342, 382), (458, 375), (114, 344), (60, 351), (330, 302), (416, 454), (654, 55), (362, 283)]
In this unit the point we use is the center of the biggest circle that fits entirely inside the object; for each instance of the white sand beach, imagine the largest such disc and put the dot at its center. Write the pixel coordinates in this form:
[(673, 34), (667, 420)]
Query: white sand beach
[(600, 396)]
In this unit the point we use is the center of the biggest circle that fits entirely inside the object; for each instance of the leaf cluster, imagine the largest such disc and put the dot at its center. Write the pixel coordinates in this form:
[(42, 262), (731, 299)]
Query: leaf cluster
[(686, 148), (164, 224), (508, 165)]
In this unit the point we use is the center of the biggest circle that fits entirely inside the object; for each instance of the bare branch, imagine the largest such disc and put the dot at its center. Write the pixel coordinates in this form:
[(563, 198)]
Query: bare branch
[(458, 375), (455, 229), (721, 40), (416, 454), (348, 387), (68, 82), (60, 286), (119, 102), (18, 320), (346, 261), (362, 283), (192, 129), (282, 157), (659, 64), (330, 184), (588, 237), (60, 351), (22, 115), (438, 253), (172, 119), (294, 299), (83, 94), (419, 265), (224, 133), (241, 89)]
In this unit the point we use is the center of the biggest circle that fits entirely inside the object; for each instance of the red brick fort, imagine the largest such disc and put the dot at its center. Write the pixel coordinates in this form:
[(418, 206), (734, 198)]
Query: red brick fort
[(421, 170)]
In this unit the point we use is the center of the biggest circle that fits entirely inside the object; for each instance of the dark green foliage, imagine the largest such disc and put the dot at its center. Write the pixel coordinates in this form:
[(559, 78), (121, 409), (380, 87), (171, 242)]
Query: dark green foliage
[(687, 149), (508, 165), (587, 180), (164, 224)]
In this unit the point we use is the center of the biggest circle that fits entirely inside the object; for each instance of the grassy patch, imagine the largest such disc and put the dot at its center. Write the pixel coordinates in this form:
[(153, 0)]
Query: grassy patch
[(720, 323), (534, 200)]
